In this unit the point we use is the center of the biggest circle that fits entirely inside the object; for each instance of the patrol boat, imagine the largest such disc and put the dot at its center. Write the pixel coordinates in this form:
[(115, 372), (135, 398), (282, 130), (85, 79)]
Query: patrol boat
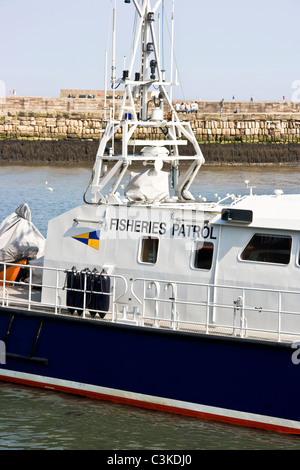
[(151, 296)]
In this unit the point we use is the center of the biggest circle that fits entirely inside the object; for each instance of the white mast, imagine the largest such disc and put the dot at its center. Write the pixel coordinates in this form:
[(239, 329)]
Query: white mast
[(113, 68), (113, 65), (172, 52), (105, 84), (136, 112)]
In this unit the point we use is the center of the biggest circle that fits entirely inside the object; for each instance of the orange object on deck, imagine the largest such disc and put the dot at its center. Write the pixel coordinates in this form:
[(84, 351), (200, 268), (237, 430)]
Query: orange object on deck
[(12, 271)]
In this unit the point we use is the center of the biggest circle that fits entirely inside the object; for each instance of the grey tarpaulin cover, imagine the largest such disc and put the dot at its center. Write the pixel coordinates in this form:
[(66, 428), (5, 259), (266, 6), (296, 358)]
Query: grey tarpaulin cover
[(19, 238), (148, 185)]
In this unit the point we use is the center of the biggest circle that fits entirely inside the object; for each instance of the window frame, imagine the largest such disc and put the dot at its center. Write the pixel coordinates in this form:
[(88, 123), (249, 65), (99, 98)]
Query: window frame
[(278, 235), (193, 255), (297, 256), (141, 249)]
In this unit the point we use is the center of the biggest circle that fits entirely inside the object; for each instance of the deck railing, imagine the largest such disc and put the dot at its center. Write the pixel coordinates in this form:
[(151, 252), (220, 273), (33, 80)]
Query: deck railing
[(26, 294), (241, 308), (177, 305)]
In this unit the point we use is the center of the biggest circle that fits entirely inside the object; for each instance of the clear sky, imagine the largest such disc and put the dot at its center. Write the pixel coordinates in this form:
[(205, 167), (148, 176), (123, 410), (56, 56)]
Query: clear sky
[(222, 48)]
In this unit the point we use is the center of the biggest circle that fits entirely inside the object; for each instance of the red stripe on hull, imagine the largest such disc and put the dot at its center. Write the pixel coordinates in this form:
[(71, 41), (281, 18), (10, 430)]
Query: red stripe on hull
[(155, 406)]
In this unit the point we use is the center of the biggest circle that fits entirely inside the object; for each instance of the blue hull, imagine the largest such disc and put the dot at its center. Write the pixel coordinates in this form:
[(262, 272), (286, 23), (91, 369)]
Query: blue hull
[(244, 382)]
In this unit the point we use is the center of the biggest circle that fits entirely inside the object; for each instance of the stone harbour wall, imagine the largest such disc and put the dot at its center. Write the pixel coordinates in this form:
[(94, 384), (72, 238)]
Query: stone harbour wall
[(68, 130), (50, 127), (281, 128), (248, 128)]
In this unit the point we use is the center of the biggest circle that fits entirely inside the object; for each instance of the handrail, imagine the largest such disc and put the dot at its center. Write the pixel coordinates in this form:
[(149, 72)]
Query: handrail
[(241, 316), (59, 286), (238, 306)]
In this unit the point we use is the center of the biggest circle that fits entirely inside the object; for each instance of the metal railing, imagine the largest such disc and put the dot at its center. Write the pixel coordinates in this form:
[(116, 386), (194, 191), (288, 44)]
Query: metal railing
[(26, 294), (198, 307), (241, 308)]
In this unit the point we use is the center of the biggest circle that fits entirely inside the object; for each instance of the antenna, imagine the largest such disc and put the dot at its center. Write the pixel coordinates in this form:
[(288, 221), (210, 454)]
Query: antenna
[(172, 52), (113, 63), (113, 67), (105, 84)]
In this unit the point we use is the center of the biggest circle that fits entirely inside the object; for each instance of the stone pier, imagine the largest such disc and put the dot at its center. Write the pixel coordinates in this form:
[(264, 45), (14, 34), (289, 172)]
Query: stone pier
[(81, 119), (223, 128)]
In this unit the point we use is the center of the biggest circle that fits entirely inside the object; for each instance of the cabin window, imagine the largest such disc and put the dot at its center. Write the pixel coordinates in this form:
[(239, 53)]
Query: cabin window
[(149, 250), (268, 249), (203, 255)]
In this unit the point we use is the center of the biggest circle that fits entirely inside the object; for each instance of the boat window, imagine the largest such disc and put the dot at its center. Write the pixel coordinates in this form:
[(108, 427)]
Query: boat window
[(268, 249), (203, 255), (149, 250)]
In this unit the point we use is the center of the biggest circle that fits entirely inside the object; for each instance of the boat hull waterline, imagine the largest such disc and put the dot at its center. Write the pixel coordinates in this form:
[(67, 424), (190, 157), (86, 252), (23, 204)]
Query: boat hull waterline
[(210, 377)]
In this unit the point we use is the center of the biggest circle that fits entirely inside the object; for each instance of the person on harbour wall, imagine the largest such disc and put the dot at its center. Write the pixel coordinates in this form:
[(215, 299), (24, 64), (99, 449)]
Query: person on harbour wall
[(221, 105), (194, 107)]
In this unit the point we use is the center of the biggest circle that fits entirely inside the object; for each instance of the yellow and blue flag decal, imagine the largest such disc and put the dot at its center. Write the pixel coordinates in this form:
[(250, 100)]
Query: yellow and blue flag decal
[(89, 238)]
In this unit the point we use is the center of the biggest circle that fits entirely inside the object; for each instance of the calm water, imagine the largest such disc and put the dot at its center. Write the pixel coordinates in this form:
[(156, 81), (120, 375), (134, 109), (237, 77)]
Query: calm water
[(37, 419)]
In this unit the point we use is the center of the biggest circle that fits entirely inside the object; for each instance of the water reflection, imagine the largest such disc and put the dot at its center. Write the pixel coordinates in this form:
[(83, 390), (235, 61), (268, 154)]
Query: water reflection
[(38, 419)]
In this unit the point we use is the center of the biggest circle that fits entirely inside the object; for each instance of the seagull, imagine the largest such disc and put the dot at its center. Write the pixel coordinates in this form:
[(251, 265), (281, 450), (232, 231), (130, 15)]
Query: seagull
[(49, 187)]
